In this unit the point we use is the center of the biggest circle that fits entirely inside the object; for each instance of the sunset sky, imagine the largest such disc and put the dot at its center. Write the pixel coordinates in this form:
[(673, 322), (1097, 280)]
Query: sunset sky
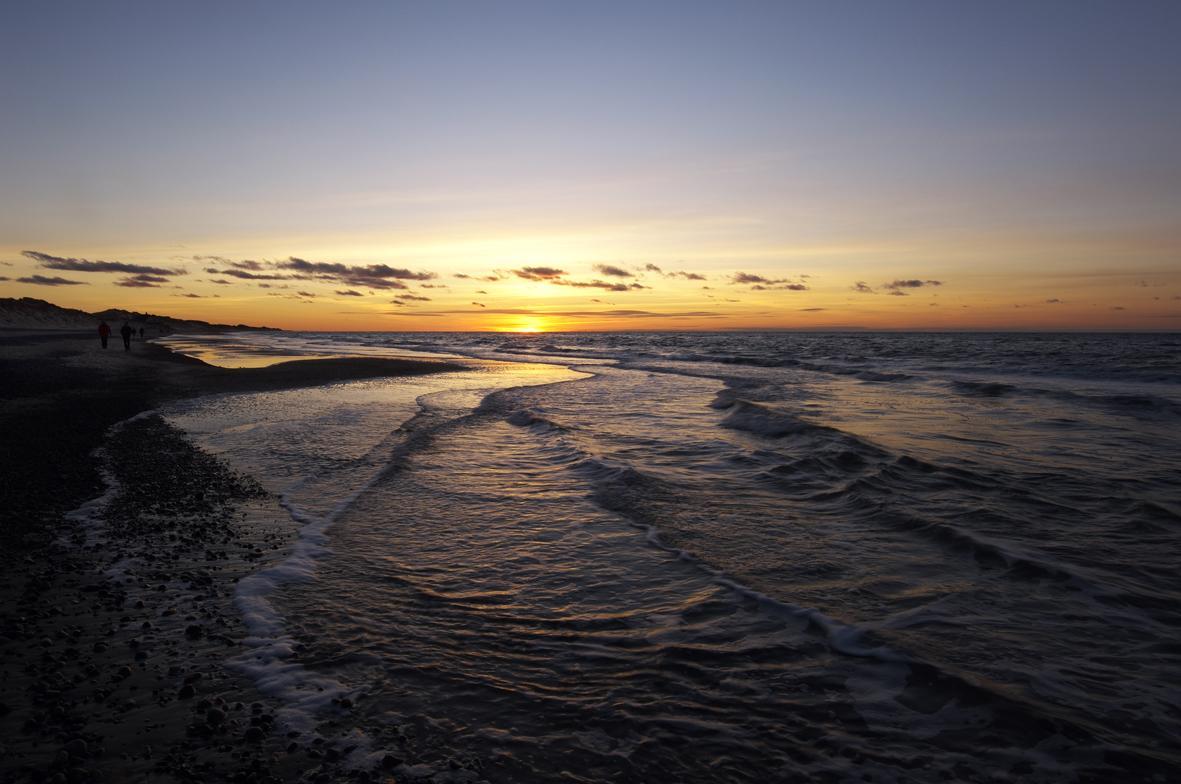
[(596, 165)]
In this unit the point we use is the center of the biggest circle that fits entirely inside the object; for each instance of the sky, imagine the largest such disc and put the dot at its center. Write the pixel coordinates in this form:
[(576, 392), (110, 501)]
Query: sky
[(560, 165)]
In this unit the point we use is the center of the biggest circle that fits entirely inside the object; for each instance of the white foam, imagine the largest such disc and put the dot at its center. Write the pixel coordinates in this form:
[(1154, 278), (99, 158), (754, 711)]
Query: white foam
[(268, 659), (89, 515)]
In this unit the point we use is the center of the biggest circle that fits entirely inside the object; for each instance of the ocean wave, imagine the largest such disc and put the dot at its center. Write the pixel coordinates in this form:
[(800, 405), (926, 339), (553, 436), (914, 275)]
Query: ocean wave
[(982, 388), (532, 418), (1143, 404), (764, 420)]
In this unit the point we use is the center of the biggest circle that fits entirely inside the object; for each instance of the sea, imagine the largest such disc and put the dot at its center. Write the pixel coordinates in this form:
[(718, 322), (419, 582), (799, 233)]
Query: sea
[(724, 557)]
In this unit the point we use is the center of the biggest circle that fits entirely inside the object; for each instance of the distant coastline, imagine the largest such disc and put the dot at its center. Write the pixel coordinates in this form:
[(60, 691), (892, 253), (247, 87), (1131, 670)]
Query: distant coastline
[(29, 313)]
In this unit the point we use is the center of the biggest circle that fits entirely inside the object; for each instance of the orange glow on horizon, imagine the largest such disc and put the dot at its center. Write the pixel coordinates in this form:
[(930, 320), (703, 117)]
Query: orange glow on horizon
[(543, 288)]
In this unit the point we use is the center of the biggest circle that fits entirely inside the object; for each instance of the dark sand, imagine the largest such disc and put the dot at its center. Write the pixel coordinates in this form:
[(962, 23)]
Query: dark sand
[(114, 636)]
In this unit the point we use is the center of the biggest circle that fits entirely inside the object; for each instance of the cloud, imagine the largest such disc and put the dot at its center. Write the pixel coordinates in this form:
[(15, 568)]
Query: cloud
[(478, 305), (612, 271), (861, 287), (765, 284), (481, 291), (539, 273), (1118, 307), (244, 275), (221, 282), (142, 281), (1054, 301), (600, 284), (307, 294), (41, 280), (912, 283), (402, 299), (741, 278), (350, 293), (84, 265), (580, 313), (246, 264), (784, 287), (677, 274), (5, 277), (374, 276), (556, 276), (812, 310)]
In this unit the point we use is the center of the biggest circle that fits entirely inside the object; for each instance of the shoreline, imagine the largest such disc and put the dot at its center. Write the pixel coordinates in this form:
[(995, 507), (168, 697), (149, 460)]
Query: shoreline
[(117, 639), (62, 392)]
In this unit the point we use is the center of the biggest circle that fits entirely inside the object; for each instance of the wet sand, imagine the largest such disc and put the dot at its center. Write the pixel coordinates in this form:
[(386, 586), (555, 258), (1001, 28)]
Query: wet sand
[(115, 631)]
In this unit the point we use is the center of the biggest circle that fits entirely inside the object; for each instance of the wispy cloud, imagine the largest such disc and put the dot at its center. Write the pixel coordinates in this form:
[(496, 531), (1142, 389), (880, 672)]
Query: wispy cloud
[(41, 280), (600, 284), (612, 314), (350, 293), (374, 276), (245, 275), (142, 281), (677, 274), (85, 265), (246, 264), (783, 287), (539, 273), (760, 283), (558, 278), (896, 287), (612, 271)]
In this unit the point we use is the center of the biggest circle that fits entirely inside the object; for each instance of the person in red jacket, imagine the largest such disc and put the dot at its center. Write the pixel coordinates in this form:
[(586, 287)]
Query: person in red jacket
[(104, 332)]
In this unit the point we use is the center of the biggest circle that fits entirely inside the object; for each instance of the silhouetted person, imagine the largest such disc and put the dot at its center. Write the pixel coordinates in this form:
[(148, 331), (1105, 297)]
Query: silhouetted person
[(141, 333), (125, 331), (104, 332)]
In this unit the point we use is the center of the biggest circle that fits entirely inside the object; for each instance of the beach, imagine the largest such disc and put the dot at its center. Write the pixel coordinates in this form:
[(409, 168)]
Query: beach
[(601, 557), (118, 620)]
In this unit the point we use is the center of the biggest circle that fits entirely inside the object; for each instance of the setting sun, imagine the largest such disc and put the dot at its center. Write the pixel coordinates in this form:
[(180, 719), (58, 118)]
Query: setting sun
[(530, 325)]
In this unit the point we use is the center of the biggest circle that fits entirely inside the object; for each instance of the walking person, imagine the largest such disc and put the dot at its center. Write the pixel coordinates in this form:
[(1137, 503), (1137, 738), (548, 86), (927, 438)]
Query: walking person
[(125, 331), (104, 332)]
